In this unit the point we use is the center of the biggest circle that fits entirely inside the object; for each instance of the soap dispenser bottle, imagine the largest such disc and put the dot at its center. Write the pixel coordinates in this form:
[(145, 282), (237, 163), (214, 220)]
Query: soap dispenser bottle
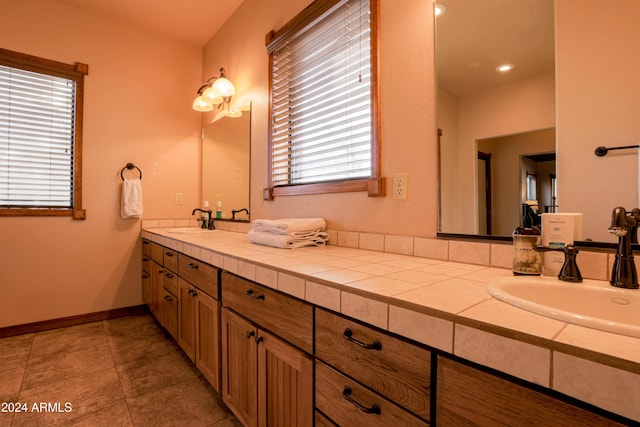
[(526, 237), (218, 208)]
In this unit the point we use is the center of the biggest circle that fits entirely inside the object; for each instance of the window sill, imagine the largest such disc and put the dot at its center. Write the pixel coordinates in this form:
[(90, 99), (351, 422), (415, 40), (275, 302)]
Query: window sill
[(373, 186)]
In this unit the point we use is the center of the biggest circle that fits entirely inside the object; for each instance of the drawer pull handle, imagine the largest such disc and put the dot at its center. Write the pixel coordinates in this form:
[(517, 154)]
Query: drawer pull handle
[(348, 335), (145, 276), (168, 298), (192, 265), (259, 340), (169, 276), (374, 409), (169, 254), (250, 294), (250, 334)]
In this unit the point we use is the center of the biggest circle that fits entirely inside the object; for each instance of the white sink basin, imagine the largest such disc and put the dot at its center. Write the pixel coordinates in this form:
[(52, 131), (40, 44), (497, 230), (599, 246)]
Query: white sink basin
[(189, 230), (592, 303)]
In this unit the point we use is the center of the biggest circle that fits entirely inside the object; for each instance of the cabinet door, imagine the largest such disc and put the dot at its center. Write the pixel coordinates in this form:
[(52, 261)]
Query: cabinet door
[(157, 291), (470, 397), (208, 338), (285, 383), (170, 313), (239, 367), (187, 318)]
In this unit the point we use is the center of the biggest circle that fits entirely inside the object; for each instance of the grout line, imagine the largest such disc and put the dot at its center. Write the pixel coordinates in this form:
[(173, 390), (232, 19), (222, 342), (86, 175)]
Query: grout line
[(115, 366)]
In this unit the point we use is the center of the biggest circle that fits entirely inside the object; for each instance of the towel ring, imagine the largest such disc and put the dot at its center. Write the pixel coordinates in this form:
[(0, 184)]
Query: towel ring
[(130, 166)]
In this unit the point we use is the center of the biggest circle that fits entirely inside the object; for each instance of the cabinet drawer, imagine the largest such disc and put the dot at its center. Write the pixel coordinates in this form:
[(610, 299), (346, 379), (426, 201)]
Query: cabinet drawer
[(199, 273), (285, 316), (146, 247), (170, 282), (467, 396), (348, 403), (390, 366), (170, 258), (157, 253)]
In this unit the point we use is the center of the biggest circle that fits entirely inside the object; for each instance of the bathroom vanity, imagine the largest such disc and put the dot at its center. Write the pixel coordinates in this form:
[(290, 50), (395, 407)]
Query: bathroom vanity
[(335, 335)]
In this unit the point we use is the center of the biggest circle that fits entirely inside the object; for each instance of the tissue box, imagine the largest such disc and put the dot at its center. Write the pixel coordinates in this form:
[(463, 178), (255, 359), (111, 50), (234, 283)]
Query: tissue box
[(558, 230)]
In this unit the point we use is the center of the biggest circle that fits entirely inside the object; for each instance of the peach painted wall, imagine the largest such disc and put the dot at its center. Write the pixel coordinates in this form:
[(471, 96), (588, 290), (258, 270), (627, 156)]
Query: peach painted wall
[(598, 103), (137, 107), (408, 115)]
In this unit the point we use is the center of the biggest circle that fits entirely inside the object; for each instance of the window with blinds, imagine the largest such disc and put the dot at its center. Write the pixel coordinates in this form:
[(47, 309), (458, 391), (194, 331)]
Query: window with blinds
[(322, 96), (38, 136)]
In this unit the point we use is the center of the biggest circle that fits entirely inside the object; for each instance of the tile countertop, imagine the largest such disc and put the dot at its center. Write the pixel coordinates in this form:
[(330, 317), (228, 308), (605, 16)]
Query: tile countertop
[(442, 304)]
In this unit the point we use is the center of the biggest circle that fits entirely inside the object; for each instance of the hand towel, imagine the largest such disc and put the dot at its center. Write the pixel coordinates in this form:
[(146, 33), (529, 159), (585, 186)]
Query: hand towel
[(290, 226), (131, 198), (285, 241)]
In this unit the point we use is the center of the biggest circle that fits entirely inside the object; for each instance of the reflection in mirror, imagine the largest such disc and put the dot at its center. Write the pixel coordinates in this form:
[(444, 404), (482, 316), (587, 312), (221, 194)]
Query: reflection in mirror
[(226, 146), (497, 129)]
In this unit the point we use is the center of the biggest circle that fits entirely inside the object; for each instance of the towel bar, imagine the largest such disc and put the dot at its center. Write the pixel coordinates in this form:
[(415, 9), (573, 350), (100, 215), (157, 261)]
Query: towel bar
[(602, 151)]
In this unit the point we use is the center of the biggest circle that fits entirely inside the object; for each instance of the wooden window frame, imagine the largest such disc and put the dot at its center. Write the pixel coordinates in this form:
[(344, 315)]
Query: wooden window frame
[(75, 72), (374, 185)]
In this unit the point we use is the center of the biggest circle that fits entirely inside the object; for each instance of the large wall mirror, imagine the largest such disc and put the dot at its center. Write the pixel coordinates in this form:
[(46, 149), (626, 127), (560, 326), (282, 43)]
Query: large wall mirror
[(497, 140), (583, 95), (226, 146)]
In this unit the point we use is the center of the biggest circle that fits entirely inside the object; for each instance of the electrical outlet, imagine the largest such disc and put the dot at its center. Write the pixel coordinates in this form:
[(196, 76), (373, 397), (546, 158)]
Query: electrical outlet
[(400, 186), (178, 198)]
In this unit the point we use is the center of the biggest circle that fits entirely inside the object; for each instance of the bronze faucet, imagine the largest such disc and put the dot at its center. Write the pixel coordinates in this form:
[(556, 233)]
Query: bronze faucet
[(207, 224), (624, 225)]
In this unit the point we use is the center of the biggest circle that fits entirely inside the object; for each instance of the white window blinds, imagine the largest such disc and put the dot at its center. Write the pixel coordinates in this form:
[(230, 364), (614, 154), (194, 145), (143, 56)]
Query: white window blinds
[(321, 98), (37, 125)]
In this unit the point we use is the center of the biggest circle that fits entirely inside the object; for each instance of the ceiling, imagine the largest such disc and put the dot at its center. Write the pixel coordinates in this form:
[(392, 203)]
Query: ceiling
[(473, 37), (188, 21)]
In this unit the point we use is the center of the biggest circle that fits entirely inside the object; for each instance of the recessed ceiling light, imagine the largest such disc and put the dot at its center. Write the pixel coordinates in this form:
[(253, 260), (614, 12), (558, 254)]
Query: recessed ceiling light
[(504, 68), (440, 9)]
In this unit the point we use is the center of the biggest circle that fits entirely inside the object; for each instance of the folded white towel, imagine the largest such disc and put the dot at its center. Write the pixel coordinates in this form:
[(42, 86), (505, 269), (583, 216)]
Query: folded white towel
[(131, 198), (285, 241), (289, 226)]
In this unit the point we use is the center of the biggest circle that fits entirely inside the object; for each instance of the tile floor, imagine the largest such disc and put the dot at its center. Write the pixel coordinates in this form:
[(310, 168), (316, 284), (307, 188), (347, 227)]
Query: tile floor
[(118, 372)]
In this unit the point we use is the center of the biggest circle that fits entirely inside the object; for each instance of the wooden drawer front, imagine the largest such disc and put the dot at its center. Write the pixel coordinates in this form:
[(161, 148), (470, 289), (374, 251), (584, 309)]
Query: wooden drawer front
[(170, 259), (200, 274), (285, 316), (469, 397), (365, 408), (397, 370), (146, 263), (170, 282), (157, 253), (146, 247)]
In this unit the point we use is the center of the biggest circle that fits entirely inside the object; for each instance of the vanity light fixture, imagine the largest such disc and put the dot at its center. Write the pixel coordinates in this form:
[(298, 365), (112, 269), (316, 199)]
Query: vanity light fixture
[(215, 93), (440, 9), (504, 68)]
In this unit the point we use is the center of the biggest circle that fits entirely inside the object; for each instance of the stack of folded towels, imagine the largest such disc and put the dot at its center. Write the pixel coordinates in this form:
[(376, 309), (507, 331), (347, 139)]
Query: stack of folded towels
[(289, 233)]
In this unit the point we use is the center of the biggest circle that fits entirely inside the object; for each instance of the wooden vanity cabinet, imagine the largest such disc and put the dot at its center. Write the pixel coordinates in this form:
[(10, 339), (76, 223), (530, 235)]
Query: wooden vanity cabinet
[(266, 380), (199, 316), (471, 397)]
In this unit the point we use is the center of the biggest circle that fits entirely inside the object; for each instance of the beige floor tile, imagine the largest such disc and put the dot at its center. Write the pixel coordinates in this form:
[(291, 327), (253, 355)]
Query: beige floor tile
[(163, 407)]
